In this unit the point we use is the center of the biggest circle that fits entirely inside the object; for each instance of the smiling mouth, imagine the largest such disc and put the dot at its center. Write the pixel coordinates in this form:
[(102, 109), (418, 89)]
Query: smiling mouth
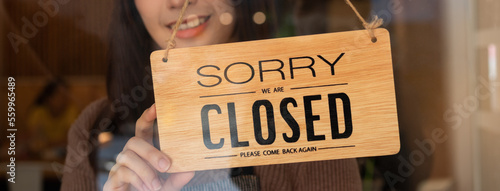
[(191, 22)]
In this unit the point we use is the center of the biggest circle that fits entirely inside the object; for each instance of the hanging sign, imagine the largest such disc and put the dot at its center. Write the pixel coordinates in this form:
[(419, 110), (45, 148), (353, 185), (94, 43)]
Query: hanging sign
[(297, 99)]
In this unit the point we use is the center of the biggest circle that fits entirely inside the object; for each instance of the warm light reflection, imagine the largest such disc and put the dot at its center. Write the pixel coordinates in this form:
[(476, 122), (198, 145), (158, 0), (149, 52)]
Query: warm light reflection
[(226, 18), (105, 137), (492, 62), (493, 75), (259, 18)]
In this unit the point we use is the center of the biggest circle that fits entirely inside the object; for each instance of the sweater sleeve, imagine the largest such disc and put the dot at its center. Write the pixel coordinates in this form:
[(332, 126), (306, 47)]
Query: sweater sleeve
[(320, 175), (78, 173)]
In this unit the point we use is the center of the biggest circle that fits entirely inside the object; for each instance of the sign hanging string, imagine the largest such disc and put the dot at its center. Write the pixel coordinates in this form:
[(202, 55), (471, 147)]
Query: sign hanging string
[(375, 23), (171, 41)]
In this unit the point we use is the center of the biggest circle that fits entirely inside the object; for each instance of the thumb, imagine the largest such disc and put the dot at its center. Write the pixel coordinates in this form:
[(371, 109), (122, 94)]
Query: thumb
[(144, 125)]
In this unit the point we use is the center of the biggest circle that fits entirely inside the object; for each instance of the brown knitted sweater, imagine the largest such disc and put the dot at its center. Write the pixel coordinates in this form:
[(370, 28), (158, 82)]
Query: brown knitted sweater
[(323, 175)]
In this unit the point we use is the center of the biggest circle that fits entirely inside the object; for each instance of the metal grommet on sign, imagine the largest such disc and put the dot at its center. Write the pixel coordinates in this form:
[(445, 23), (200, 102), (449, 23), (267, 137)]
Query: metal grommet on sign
[(375, 23), (171, 42)]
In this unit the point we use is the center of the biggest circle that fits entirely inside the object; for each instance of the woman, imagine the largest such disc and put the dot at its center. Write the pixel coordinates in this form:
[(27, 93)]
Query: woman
[(138, 28)]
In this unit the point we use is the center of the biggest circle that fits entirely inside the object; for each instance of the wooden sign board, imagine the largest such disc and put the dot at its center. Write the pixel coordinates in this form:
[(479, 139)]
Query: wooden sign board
[(307, 98)]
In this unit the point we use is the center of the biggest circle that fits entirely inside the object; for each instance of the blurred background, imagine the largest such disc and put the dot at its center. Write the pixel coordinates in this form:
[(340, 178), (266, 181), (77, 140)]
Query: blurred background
[(445, 68)]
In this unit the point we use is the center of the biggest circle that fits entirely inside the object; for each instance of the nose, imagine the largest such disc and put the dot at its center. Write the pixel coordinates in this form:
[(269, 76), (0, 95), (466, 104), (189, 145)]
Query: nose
[(177, 4)]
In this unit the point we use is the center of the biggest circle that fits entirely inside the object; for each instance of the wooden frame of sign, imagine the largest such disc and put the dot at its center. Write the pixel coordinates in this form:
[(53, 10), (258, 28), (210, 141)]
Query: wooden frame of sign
[(286, 100)]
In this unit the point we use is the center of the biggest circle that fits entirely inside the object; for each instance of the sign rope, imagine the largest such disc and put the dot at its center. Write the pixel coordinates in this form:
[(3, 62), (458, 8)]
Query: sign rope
[(375, 23), (171, 41)]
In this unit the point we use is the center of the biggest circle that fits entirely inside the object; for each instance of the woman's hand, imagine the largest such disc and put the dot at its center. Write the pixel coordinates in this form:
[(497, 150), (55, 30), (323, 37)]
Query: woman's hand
[(139, 162)]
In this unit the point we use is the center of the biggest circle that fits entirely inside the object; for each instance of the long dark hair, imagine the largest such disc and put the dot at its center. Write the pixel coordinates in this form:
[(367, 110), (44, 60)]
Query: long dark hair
[(129, 69)]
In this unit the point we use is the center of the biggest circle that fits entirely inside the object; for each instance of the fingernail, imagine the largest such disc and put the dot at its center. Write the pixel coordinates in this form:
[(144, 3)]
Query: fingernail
[(145, 188), (156, 184), (163, 164)]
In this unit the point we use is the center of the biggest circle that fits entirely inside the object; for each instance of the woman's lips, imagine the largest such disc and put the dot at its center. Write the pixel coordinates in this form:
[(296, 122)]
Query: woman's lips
[(191, 27)]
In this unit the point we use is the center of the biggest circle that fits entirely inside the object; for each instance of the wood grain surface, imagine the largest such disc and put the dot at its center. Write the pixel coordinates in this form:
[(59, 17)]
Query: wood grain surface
[(228, 105)]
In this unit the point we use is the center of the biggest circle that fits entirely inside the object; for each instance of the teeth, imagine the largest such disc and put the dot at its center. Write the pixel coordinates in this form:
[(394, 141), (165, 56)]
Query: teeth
[(192, 23), (183, 27)]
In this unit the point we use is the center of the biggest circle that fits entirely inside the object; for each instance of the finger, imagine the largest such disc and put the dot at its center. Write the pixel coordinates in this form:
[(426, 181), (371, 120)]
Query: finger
[(177, 180), (121, 179), (131, 160), (152, 155), (144, 125)]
